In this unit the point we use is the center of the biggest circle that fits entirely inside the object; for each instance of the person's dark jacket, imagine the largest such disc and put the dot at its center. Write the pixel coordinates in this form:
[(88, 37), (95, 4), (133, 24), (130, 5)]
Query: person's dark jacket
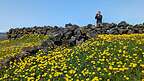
[(98, 17)]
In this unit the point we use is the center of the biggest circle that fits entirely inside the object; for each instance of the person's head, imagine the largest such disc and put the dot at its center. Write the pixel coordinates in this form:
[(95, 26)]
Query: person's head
[(98, 12)]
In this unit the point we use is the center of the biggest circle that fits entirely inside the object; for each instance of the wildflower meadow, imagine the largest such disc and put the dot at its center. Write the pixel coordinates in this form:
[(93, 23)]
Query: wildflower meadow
[(103, 58)]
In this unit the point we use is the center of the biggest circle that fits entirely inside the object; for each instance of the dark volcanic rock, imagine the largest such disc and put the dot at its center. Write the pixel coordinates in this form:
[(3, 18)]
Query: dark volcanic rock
[(92, 34), (122, 31), (130, 31), (66, 25), (61, 35), (72, 41), (48, 44), (123, 24)]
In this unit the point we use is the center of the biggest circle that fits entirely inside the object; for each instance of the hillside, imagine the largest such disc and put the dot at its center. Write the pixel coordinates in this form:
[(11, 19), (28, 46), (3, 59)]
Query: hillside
[(111, 52), (11, 50), (102, 58), (3, 36)]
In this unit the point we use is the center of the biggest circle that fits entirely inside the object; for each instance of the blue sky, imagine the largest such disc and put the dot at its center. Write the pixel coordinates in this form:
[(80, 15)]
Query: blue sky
[(27, 13)]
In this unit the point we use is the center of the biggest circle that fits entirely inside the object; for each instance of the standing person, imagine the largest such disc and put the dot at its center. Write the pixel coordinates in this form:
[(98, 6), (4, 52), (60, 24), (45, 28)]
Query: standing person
[(98, 17)]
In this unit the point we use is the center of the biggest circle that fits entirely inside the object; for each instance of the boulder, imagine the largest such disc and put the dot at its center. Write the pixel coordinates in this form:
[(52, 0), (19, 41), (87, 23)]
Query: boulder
[(68, 34), (130, 27), (90, 26), (72, 41), (112, 31), (48, 44), (79, 41), (91, 34), (123, 24), (77, 32), (122, 31), (107, 25), (113, 25), (130, 31), (67, 25)]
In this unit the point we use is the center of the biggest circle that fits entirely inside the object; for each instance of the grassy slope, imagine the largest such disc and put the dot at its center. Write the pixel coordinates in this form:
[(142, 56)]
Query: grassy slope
[(12, 47), (109, 57)]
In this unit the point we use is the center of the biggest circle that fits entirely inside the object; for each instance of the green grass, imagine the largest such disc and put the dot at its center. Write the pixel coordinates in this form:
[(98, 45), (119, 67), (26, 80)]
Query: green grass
[(13, 47)]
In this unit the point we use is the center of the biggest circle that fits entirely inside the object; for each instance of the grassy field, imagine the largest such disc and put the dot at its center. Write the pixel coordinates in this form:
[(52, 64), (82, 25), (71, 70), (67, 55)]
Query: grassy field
[(106, 58), (13, 47)]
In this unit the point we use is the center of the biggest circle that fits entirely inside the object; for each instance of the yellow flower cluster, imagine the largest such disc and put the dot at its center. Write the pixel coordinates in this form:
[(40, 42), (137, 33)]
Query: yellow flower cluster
[(106, 58)]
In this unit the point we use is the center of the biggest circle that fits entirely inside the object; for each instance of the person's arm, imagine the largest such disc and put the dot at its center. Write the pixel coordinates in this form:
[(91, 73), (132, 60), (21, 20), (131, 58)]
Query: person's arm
[(96, 16)]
